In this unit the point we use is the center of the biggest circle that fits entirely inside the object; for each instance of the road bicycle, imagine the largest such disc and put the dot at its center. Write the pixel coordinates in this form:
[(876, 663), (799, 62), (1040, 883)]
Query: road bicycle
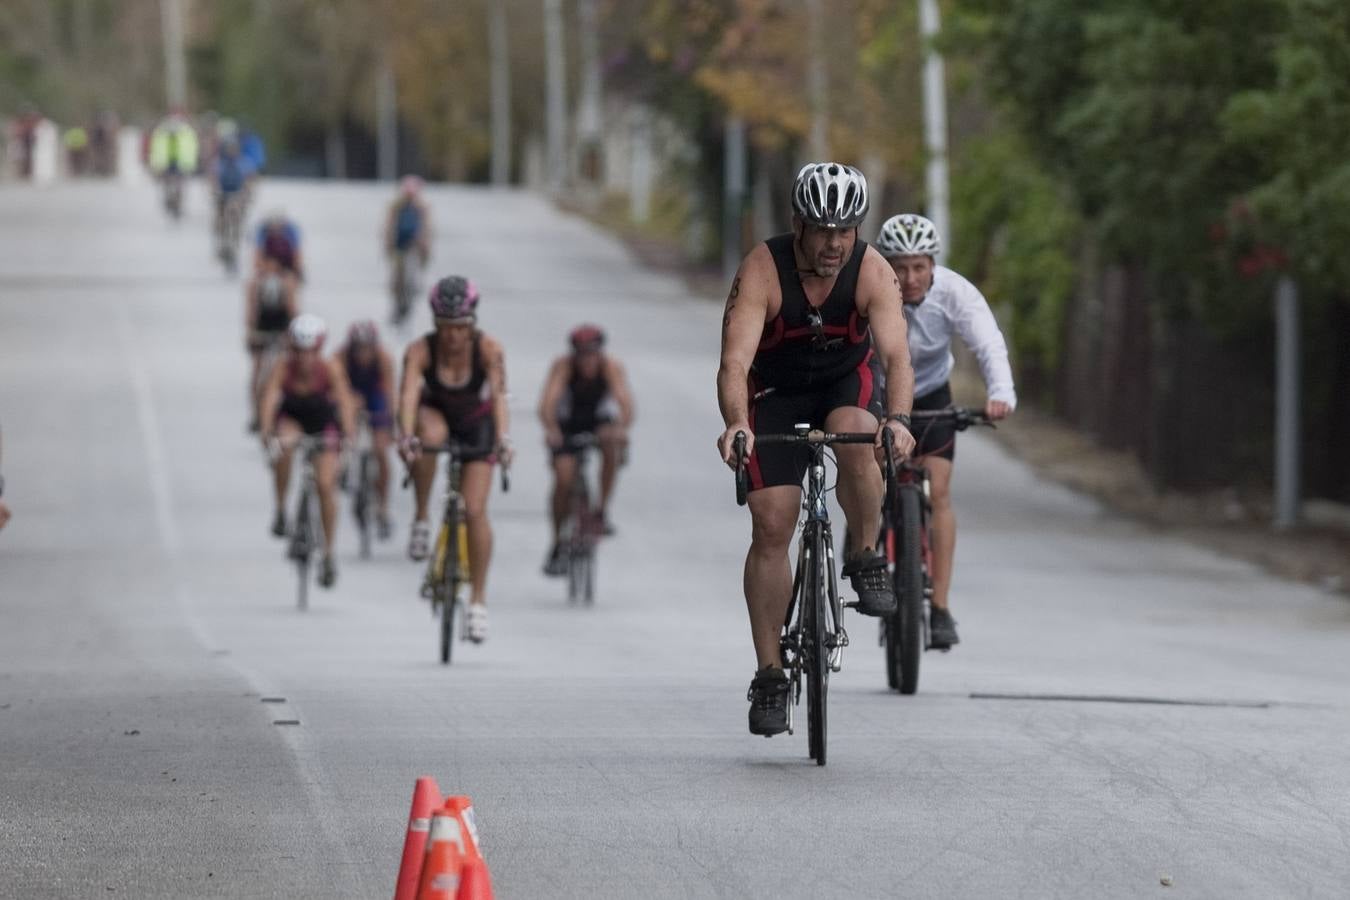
[(229, 225), (361, 482), (407, 272), (906, 536), (813, 638), (306, 531), (448, 567), (582, 528)]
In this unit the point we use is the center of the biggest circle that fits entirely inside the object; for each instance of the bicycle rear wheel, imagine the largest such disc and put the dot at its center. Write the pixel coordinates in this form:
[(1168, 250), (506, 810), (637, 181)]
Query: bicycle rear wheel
[(904, 631), (815, 620)]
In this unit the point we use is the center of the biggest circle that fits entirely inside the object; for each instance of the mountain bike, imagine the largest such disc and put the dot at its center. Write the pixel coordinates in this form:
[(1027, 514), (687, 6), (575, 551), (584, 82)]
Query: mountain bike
[(582, 528), (906, 537), (448, 565), (306, 533), (814, 638)]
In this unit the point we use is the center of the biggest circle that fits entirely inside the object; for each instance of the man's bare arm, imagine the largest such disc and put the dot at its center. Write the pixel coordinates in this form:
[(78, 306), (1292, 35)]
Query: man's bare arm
[(623, 395), (879, 299), (742, 327), (552, 393)]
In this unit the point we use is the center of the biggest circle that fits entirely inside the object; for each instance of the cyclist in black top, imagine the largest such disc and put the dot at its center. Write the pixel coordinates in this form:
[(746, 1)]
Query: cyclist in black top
[(813, 333), (586, 393), (270, 303), (454, 386)]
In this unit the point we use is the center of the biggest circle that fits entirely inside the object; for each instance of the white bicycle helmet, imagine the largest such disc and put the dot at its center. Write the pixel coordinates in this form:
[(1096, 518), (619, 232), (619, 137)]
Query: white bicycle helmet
[(830, 194), (307, 332), (908, 235)]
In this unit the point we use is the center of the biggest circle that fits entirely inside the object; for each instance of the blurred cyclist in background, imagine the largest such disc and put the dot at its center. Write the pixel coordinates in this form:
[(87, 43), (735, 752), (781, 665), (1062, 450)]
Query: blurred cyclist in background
[(308, 395), (271, 302), (370, 371), (279, 239), (230, 181), (586, 393), (407, 241), (173, 157)]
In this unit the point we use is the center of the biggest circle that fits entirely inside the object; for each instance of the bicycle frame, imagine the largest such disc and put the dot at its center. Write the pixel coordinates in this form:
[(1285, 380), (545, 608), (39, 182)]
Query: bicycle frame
[(581, 535), (308, 523)]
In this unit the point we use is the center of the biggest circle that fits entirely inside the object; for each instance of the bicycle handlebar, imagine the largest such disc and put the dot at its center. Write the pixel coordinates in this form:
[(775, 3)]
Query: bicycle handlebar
[(457, 449), (816, 436), (962, 417)]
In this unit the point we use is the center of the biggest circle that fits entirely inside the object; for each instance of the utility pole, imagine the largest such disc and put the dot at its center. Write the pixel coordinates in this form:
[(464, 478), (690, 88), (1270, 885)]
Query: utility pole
[(386, 121), (590, 127), (733, 194), (1287, 449), (175, 61), (935, 122), (555, 100), (499, 50), (817, 83)]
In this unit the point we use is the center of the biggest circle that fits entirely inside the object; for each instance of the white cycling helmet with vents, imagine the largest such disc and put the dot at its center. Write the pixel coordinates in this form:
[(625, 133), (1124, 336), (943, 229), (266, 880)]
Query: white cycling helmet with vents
[(308, 332), (830, 194), (908, 235)]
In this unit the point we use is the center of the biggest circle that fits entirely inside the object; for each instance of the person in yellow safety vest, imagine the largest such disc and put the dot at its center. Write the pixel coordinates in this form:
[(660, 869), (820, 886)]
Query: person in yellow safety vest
[(173, 147)]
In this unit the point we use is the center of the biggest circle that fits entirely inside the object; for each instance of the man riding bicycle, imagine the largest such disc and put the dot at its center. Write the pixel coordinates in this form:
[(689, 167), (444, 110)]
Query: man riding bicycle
[(370, 371), (454, 387), (408, 223), (271, 302), (279, 239), (231, 177), (938, 304), (308, 395), (586, 393), (812, 333), (173, 152)]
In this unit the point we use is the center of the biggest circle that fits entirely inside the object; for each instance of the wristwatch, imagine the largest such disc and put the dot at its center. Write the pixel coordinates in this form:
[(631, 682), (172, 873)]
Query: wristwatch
[(902, 418)]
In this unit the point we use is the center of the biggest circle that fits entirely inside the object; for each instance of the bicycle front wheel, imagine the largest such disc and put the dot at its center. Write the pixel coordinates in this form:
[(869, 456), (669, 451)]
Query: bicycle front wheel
[(904, 631), (364, 494), (447, 605), (303, 549), (815, 620)]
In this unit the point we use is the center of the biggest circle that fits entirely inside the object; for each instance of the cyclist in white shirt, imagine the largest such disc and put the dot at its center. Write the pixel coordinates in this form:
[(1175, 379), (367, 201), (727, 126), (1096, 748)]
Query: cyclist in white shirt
[(938, 304)]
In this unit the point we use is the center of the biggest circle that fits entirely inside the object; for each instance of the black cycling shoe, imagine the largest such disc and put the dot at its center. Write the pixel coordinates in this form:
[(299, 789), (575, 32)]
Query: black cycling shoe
[(768, 702), (872, 582), (941, 629), (279, 524), (555, 565), (327, 572)]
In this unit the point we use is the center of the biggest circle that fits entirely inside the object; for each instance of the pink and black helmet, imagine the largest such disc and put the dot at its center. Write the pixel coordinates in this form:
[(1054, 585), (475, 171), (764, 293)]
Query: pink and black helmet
[(454, 298)]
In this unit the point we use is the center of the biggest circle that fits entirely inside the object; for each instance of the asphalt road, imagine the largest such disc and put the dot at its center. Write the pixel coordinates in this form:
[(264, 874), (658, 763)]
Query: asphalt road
[(145, 613)]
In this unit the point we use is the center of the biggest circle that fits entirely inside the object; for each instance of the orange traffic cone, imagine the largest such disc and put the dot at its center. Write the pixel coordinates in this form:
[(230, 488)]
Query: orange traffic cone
[(426, 797), (462, 808), (445, 858), (474, 881)]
